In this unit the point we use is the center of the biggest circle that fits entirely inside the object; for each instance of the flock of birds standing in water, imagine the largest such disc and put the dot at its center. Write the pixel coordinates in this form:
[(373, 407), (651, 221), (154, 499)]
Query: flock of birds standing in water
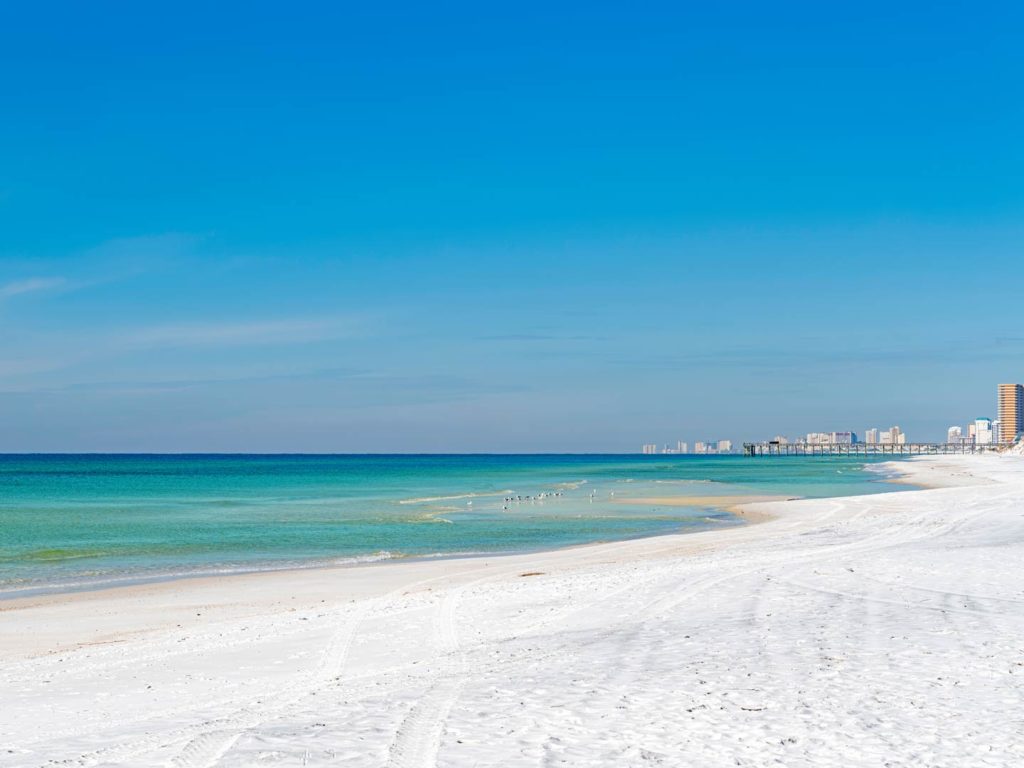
[(518, 498)]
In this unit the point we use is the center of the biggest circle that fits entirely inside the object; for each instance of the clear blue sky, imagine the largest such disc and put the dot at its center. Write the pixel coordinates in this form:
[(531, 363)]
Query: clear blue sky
[(448, 227)]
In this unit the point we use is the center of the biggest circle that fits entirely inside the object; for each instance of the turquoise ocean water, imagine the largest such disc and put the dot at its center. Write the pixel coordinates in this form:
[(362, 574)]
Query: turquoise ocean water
[(71, 522)]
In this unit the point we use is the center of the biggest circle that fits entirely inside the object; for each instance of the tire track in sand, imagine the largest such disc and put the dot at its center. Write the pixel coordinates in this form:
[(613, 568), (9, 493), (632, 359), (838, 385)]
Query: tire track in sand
[(418, 739), (203, 744)]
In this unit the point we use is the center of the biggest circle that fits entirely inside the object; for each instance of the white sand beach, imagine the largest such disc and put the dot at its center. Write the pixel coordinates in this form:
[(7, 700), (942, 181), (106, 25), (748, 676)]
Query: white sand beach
[(882, 630)]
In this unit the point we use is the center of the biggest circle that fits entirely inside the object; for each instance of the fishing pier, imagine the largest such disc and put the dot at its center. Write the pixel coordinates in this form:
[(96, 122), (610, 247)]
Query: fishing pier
[(775, 448)]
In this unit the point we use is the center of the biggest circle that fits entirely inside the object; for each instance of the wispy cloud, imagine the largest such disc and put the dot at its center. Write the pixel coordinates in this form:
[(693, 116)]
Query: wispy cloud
[(27, 366), (53, 354), (812, 357), (31, 285), (160, 386), (527, 337), (126, 256), (111, 261), (287, 331)]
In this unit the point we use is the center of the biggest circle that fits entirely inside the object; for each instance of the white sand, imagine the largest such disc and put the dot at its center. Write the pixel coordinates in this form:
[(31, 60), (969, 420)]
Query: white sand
[(872, 631)]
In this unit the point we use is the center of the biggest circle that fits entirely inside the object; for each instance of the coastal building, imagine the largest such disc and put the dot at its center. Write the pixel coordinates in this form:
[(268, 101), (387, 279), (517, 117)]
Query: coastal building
[(954, 435), (830, 438), (892, 436), (682, 447), (712, 446), (871, 436), (650, 448), (1011, 411), (983, 431)]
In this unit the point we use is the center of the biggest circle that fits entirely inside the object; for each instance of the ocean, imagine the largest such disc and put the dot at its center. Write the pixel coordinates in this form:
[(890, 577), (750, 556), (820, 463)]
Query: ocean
[(71, 522)]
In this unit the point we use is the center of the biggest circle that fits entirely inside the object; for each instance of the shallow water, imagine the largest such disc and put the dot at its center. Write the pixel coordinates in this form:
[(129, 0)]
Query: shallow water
[(70, 522)]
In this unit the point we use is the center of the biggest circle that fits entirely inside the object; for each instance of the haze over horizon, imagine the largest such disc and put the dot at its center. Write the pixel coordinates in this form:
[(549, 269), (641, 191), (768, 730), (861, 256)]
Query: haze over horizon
[(526, 229)]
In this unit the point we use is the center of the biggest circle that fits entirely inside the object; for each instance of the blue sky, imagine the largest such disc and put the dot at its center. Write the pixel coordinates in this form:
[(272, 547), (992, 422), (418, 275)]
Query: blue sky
[(472, 227)]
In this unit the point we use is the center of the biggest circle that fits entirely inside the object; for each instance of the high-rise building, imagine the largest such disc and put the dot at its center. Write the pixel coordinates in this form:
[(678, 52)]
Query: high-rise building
[(983, 431), (650, 448), (871, 436), (682, 447), (892, 436), (1011, 411), (724, 446), (954, 435), (699, 447)]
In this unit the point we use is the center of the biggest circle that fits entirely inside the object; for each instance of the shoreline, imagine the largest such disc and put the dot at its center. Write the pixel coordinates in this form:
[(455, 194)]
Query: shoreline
[(746, 509), (750, 643), (207, 590)]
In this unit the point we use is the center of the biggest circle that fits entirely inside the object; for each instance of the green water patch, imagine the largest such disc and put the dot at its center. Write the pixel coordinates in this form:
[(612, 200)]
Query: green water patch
[(57, 554)]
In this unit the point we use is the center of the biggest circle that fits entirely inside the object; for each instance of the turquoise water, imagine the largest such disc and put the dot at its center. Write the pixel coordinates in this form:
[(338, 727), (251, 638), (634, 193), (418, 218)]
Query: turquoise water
[(71, 522)]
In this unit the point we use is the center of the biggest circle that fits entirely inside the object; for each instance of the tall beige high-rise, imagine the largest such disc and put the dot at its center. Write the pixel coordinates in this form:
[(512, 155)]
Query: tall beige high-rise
[(1011, 411)]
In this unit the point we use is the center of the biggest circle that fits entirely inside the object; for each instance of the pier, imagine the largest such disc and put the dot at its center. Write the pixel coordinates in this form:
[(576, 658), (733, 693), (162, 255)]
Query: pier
[(773, 448)]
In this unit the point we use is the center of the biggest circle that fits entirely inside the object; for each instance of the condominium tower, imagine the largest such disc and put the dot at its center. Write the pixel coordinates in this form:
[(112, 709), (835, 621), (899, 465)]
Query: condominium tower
[(1011, 411)]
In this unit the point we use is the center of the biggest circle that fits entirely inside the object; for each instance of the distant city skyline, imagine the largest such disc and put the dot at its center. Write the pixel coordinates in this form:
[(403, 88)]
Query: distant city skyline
[(471, 228), (683, 447), (980, 431)]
